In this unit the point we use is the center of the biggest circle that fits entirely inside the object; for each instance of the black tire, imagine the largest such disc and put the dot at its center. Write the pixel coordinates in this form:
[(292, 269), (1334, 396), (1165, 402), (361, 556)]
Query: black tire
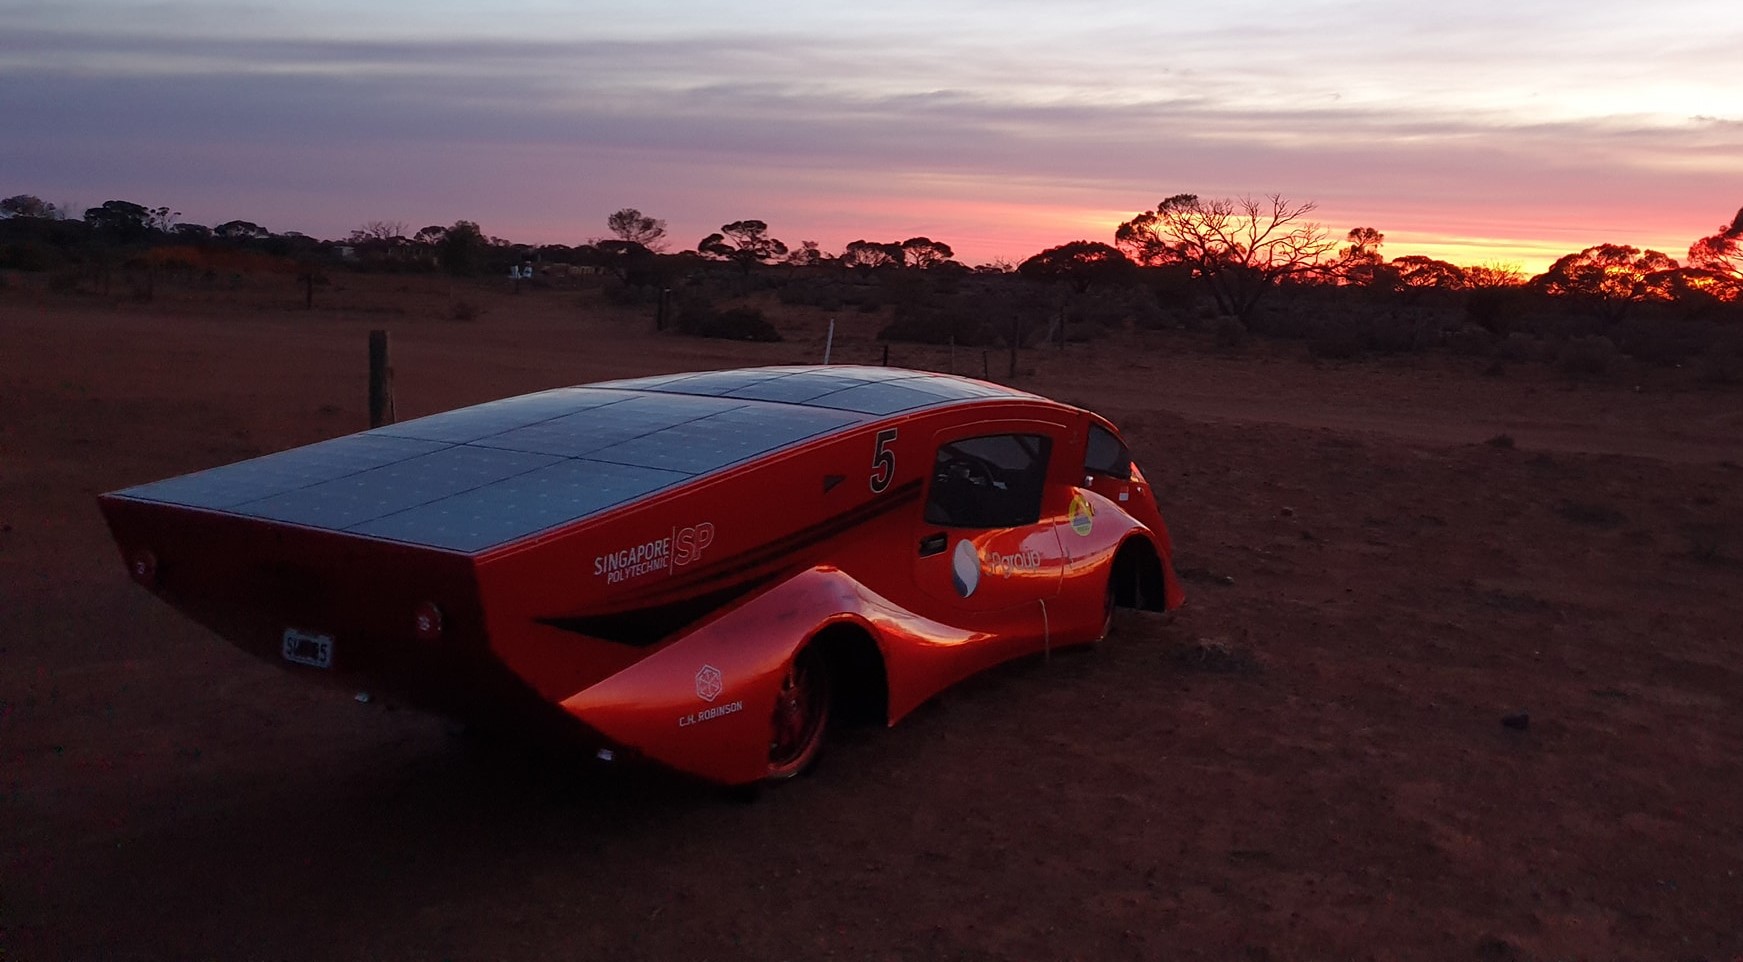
[(801, 717)]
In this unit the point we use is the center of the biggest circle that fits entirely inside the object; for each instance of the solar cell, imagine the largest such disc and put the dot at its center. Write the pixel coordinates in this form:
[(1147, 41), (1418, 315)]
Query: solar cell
[(795, 388), (523, 505), (494, 417), (588, 431), (885, 398), (716, 383), (367, 495), (711, 443), (244, 481)]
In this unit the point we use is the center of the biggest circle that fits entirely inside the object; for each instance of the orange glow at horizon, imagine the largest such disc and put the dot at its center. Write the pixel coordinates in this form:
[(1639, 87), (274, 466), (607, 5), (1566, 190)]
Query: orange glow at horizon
[(1021, 221)]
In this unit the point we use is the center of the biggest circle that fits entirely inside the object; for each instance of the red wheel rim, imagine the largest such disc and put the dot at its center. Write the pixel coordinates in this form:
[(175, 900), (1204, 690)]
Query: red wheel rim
[(801, 710)]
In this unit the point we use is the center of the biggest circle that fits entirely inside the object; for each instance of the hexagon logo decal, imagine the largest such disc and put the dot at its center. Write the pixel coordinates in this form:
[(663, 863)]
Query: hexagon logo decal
[(709, 683)]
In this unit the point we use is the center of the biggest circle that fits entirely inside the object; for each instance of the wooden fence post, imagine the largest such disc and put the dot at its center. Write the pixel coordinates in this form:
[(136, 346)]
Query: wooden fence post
[(380, 381)]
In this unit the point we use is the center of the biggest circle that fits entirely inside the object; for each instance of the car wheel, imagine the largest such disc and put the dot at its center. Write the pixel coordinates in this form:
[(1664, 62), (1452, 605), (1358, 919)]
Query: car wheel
[(801, 716)]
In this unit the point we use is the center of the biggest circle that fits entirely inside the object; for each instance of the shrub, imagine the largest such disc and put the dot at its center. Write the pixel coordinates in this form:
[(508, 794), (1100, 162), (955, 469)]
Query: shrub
[(28, 256), (1230, 333), (934, 326), (1723, 361), (1398, 335), (700, 319), (1495, 309), (1336, 339), (1590, 355), (1519, 346), (1658, 340), (1471, 340)]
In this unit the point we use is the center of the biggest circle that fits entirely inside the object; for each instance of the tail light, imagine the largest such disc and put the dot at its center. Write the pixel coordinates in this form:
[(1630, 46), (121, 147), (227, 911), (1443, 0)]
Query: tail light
[(142, 565), (427, 621)]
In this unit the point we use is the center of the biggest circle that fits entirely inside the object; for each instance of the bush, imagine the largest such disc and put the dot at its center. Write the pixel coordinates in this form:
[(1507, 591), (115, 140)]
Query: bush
[(1471, 340), (1230, 332), (1723, 361), (1519, 346), (1336, 339), (935, 326), (1399, 334), (1661, 340), (1495, 309), (734, 324), (1591, 355), (26, 257)]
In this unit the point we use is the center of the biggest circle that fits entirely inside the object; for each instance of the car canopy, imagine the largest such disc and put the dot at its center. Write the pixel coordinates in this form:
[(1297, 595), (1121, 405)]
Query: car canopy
[(480, 477)]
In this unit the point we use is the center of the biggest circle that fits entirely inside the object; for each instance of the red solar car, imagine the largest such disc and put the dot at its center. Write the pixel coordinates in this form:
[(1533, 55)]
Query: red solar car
[(701, 570)]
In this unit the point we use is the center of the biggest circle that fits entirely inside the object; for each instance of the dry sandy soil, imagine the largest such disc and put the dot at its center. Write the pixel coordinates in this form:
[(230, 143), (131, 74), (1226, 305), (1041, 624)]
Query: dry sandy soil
[(1307, 762)]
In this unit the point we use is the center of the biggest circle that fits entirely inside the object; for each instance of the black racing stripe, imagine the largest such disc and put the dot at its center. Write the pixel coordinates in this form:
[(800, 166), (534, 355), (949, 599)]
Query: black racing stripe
[(815, 534)]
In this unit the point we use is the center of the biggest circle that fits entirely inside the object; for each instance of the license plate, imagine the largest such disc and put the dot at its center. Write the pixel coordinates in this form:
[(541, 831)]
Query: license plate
[(307, 648)]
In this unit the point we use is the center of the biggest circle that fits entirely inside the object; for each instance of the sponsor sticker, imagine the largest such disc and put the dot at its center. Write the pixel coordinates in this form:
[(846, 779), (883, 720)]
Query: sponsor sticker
[(709, 714), (709, 683), (681, 547), (1005, 565), (965, 568), (1082, 516)]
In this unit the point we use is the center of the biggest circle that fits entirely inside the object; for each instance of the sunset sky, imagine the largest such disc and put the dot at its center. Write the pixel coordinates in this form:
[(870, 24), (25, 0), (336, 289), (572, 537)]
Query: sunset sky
[(1482, 132)]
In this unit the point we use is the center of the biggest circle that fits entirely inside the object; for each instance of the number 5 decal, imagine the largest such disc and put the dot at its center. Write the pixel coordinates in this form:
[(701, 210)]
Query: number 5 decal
[(883, 461)]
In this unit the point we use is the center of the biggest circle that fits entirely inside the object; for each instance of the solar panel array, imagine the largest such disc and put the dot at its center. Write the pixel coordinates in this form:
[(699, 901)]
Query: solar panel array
[(482, 476)]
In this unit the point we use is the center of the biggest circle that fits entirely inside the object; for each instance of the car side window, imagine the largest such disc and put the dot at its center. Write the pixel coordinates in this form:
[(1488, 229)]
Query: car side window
[(994, 481), (1107, 455)]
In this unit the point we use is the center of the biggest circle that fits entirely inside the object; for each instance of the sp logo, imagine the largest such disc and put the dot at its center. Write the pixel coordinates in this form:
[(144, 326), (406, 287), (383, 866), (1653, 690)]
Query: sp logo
[(689, 543), (709, 683)]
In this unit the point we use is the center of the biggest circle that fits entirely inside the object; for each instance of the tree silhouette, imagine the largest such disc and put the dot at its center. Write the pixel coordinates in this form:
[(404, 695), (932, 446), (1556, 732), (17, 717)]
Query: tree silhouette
[(1721, 253), (1360, 263), (808, 254), (379, 232), (1080, 263), (631, 225), (461, 249), (27, 205), (630, 262), (1416, 272), (1488, 276), (1240, 249), (744, 242), (120, 220), (240, 230), (1608, 278), (924, 253), (870, 254)]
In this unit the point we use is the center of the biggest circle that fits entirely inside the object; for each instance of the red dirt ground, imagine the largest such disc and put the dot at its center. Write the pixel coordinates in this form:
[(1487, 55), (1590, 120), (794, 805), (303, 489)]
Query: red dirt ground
[(1308, 762)]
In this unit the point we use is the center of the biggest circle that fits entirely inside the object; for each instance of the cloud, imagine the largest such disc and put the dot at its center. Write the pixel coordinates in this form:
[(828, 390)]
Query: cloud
[(824, 127)]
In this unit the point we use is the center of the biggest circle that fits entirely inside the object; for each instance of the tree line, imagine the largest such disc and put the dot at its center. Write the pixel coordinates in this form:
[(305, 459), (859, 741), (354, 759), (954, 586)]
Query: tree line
[(1248, 260), (1239, 249)]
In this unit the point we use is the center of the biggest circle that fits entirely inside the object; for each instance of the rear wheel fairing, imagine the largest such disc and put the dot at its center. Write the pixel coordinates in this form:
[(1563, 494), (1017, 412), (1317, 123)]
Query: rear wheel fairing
[(704, 703)]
